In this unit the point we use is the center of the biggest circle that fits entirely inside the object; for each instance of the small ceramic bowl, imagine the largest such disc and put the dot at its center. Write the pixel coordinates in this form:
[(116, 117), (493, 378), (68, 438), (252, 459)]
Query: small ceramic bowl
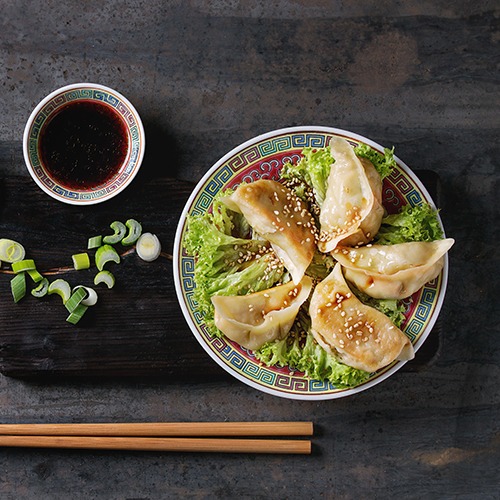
[(57, 123)]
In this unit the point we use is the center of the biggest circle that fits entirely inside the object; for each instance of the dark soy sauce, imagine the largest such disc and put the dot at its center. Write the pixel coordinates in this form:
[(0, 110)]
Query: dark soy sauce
[(84, 144)]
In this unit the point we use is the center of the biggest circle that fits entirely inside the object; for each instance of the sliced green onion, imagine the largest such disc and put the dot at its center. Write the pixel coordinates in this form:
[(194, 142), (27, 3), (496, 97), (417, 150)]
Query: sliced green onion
[(76, 315), (134, 231), (61, 288), (81, 261), (91, 298), (18, 286), (76, 298), (11, 251), (94, 242), (42, 289), (148, 247), (35, 275), (119, 232), (23, 265), (105, 254), (105, 277)]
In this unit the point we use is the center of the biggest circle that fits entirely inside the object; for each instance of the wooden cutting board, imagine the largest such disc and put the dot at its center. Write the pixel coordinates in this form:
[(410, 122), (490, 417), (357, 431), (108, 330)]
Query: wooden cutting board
[(137, 328)]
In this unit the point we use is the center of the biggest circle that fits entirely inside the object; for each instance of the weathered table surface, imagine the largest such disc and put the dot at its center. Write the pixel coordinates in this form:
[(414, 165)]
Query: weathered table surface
[(206, 76)]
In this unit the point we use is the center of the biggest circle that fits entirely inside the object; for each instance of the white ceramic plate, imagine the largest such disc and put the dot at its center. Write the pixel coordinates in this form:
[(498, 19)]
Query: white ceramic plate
[(262, 158)]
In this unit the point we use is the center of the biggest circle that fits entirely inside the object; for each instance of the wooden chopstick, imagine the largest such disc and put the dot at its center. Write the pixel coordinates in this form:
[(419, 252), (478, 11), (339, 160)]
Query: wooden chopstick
[(223, 437), (170, 429), (220, 445)]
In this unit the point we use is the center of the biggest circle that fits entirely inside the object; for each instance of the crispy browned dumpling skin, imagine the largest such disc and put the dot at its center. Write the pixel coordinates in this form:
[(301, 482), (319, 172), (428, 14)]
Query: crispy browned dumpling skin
[(357, 334), (280, 217)]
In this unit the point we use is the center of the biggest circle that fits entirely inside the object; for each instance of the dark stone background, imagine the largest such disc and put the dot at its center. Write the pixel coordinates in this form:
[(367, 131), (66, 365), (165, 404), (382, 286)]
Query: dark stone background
[(208, 75)]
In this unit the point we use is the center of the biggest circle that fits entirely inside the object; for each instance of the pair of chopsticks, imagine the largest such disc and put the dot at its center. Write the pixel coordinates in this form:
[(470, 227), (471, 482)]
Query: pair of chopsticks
[(221, 437)]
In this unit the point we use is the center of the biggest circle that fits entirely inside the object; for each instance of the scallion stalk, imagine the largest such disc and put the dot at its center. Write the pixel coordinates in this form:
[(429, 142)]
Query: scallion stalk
[(76, 298), (81, 261), (119, 232), (106, 254), (11, 251), (105, 277), (91, 298), (77, 314), (60, 287), (148, 247), (23, 265), (35, 275), (42, 289), (134, 232), (94, 242), (18, 286)]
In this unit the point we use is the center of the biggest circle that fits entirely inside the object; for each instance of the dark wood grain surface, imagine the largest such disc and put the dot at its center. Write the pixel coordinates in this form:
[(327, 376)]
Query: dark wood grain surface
[(205, 76), (138, 329)]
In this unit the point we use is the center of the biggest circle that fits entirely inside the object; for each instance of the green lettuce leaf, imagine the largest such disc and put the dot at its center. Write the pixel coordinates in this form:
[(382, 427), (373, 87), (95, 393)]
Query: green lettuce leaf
[(227, 264), (300, 351), (383, 163), (418, 223), (394, 309), (311, 172)]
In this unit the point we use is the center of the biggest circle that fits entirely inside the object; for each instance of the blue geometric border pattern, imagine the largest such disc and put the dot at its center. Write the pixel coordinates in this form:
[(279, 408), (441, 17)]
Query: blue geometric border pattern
[(423, 310), (275, 145), (320, 386), (405, 187), (310, 140)]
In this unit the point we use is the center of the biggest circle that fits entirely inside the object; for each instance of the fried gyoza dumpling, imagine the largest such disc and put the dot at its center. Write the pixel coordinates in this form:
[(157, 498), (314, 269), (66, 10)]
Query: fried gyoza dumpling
[(352, 211), (254, 319), (280, 217), (393, 271), (357, 334)]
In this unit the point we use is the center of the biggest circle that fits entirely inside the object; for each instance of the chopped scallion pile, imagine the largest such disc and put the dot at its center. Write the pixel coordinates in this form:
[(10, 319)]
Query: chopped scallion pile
[(81, 297)]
